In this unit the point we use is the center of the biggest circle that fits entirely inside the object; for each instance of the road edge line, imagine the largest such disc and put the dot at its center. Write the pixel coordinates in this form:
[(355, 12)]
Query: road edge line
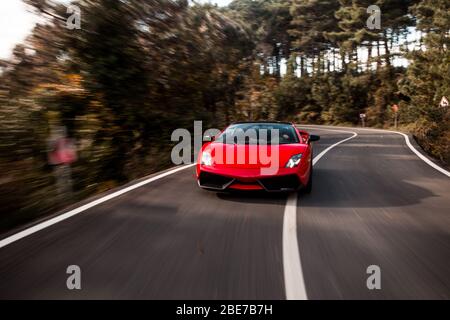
[(294, 282), (40, 226), (421, 156), (408, 144)]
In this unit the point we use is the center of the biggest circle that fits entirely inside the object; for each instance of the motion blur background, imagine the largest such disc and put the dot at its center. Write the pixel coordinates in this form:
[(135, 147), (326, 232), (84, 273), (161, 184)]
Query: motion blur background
[(137, 70)]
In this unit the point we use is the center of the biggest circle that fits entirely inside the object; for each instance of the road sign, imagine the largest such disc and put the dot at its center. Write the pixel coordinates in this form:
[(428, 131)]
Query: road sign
[(444, 102), (363, 117), (395, 110)]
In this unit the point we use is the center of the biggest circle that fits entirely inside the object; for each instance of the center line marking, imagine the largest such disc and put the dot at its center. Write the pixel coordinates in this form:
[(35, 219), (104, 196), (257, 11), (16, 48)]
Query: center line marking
[(294, 282)]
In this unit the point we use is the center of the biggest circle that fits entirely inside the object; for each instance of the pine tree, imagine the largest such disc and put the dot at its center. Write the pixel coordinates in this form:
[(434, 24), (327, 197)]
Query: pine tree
[(428, 79)]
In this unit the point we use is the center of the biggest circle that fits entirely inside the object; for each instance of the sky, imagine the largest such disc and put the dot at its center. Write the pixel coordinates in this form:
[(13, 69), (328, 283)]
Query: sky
[(219, 2), (16, 22)]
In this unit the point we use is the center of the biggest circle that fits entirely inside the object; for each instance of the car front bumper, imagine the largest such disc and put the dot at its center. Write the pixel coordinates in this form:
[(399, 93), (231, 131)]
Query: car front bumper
[(284, 180)]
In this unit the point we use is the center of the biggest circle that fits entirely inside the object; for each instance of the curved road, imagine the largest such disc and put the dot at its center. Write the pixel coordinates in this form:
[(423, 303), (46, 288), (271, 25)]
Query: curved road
[(374, 202)]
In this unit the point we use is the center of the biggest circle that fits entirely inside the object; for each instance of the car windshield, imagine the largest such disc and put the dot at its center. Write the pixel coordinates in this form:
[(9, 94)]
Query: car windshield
[(259, 133)]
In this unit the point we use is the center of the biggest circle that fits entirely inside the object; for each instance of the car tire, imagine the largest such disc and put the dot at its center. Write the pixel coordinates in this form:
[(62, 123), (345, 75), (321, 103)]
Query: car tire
[(308, 188)]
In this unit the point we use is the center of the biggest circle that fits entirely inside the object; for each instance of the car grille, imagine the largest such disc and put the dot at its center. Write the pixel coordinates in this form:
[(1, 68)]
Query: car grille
[(283, 183), (214, 181)]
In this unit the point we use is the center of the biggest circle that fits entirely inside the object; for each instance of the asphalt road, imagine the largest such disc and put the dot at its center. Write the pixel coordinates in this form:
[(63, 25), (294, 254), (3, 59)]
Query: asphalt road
[(374, 202)]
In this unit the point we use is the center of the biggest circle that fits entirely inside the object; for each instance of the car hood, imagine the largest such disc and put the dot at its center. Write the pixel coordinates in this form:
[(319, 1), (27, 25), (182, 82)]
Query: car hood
[(251, 156)]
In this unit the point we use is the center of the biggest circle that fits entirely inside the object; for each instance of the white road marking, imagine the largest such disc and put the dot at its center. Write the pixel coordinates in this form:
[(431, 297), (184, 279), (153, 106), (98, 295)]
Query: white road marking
[(292, 266), (320, 155), (421, 156), (293, 275), (71, 213), (408, 143)]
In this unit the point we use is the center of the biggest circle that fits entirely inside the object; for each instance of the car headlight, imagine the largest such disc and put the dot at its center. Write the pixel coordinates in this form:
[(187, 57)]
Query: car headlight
[(206, 159), (294, 161)]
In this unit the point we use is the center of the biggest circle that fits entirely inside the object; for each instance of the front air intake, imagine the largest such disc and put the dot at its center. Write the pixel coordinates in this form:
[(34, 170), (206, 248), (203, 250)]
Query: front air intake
[(283, 183), (214, 181)]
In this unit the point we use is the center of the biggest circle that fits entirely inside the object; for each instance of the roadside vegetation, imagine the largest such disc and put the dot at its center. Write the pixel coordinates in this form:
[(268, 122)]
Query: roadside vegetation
[(137, 70)]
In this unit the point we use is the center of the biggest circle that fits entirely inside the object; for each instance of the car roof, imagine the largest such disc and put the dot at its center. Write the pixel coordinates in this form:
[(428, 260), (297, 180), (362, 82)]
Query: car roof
[(265, 122)]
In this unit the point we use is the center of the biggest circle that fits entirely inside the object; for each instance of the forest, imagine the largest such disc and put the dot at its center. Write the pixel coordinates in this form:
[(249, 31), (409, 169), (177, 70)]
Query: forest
[(137, 70)]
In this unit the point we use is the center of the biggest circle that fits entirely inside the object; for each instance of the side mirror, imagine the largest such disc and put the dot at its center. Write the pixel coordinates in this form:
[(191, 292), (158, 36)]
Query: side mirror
[(207, 139), (313, 138)]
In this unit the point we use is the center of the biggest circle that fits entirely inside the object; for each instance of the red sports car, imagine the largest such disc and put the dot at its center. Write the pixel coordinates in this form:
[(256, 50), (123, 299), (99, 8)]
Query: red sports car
[(271, 156)]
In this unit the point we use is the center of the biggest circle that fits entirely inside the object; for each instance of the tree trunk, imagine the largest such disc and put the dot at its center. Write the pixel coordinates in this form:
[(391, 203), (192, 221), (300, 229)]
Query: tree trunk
[(369, 56), (319, 63), (344, 64), (302, 66), (277, 66), (378, 55), (328, 63), (386, 49), (334, 59)]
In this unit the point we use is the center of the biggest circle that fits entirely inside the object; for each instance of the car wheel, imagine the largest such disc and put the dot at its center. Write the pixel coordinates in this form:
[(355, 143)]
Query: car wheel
[(308, 187)]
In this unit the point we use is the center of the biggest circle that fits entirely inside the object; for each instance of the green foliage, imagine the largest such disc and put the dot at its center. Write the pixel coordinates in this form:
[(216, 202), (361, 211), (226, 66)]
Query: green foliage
[(133, 73), (428, 79), (139, 69)]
